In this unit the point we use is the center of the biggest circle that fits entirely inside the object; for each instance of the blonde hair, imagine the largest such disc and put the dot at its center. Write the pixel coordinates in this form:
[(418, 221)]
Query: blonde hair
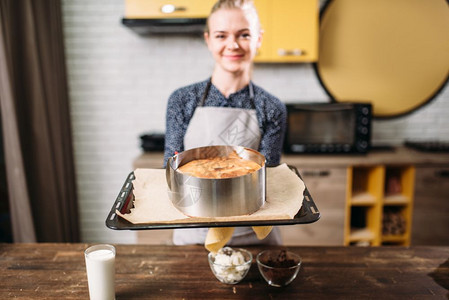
[(246, 5)]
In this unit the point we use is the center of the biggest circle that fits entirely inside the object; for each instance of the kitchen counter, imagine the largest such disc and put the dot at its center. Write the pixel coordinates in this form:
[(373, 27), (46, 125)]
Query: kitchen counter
[(388, 156), (57, 271), (329, 180)]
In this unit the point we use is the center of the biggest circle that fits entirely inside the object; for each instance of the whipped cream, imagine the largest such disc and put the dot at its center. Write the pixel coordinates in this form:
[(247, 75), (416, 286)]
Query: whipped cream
[(229, 265)]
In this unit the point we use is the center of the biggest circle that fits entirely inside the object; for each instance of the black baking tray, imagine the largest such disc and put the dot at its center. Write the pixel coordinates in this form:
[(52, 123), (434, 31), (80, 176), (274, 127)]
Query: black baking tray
[(308, 213)]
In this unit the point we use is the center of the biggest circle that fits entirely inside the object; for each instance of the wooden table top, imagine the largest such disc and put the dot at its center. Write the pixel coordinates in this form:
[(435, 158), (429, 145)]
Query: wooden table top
[(57, 271)]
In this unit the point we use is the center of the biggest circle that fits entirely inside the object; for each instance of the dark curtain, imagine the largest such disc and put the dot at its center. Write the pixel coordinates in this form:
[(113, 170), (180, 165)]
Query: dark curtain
[(36, 122)]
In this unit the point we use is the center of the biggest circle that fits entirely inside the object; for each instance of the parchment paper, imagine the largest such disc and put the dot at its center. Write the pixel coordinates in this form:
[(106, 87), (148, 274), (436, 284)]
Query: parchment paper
[(152, 204)]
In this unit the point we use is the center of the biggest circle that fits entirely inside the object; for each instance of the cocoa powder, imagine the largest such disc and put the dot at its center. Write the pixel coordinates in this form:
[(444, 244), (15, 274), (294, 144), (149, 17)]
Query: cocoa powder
[(283, 271), (281, 261)]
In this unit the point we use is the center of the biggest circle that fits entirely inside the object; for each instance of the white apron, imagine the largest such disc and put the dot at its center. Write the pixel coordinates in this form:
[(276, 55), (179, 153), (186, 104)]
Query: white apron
[(223, 126)]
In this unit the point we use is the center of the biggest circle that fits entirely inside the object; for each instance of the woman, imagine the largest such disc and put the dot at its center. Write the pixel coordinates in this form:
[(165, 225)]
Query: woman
[(227, 108)]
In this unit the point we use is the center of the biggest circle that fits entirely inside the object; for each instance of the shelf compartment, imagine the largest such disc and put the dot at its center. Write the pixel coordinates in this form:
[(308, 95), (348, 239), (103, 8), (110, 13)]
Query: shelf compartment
[(396, 200), (361, 234), (366, 180), (399, 182), (394, 238), (363, 225), (361, 243), (363, 199), (394, 221)]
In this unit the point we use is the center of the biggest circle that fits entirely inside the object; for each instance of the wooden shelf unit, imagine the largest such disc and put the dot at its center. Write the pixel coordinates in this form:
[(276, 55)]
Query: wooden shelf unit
[(379, 203)]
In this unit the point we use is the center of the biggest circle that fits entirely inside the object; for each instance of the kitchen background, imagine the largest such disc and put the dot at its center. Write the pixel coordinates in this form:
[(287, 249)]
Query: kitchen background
[(119, 83)]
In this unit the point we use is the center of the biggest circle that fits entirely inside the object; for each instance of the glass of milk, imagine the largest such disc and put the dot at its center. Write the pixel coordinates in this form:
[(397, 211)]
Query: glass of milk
[(100, 266)]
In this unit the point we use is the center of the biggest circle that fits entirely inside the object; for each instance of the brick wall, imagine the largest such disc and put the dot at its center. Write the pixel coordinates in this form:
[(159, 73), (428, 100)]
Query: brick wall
[(119, 84)]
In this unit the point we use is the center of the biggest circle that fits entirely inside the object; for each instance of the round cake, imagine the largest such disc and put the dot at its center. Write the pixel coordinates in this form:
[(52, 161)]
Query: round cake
[(220, 167)]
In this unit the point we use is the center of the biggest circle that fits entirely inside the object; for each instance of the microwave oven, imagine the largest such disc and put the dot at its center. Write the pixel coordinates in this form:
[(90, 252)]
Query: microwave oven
[(328, 128)]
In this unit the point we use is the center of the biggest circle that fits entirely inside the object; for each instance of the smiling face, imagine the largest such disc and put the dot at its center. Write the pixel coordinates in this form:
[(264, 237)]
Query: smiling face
[(233, 39)]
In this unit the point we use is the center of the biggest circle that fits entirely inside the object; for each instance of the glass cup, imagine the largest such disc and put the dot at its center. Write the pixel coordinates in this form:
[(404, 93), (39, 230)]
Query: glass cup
[(100, 266), (278, 267)]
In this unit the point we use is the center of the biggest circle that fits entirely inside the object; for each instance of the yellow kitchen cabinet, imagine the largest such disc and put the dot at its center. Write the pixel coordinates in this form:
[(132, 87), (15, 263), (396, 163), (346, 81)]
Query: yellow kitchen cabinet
[(158, 9), (379, 205), (290, 30)]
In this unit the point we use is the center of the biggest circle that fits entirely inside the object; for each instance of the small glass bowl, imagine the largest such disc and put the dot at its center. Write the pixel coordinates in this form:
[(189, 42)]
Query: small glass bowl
[(230, 265), (278, 267)]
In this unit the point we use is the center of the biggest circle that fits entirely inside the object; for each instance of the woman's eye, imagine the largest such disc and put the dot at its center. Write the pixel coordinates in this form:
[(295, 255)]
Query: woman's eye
[(220, 36)]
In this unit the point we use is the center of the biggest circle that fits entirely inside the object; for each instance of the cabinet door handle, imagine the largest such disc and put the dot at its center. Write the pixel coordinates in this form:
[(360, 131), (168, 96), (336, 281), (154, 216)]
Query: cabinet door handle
[(170, 8), (442, 173), (321, 173), (293, 52)]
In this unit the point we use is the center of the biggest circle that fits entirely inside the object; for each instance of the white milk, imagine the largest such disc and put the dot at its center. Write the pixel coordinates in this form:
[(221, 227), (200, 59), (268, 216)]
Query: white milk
[(100, 265)]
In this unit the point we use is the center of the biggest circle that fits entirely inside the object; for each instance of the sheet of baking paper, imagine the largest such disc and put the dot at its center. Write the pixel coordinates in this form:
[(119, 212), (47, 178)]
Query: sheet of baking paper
[(152, 204)]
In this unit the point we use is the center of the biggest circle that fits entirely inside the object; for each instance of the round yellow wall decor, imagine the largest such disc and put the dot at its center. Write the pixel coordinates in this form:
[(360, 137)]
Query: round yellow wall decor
[(391, 53)]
